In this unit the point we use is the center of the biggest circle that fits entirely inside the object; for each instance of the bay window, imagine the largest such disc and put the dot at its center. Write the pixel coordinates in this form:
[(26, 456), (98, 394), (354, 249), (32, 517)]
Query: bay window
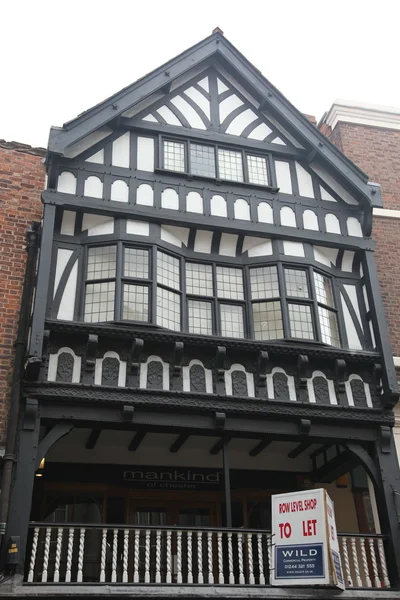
[(266, 302)]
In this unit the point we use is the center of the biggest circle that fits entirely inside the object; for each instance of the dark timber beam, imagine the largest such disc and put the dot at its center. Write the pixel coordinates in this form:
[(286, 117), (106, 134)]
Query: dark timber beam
[(260, 447), (219, 445), (298, 450), (52, 436), (92, 439), (137, 440), (178, 443), (336, 467)]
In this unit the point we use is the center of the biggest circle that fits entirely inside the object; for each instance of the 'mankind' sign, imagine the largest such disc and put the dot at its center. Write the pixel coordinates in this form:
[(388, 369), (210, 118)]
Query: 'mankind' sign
[(305, 544)]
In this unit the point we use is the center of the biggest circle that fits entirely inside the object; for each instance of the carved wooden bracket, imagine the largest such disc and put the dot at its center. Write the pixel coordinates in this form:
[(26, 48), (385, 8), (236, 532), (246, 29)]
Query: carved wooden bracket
[(386, 438), (128, 412), (176, 364), (302, 368), (305, 426), (220, 419), (134, 357), (340, 375), (262, 362), (219, 361), (89, 361), (31, 413)]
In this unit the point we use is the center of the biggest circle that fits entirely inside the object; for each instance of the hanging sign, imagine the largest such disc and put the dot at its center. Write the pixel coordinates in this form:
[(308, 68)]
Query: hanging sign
[(305, 544)]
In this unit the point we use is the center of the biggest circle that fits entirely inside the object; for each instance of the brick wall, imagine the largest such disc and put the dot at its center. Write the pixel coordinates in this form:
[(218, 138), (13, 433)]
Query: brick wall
[(22, 176), (376, 150)]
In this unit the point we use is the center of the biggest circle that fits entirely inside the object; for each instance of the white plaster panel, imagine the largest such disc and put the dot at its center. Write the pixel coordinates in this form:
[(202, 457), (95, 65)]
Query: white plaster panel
[(53, 364), (218, 206), (333, 184), (93, 187), (354, 227), (178, 236), (67, 304), (288, 217), (293, 248), (68, 222), (325, 195), (283, 178), (200, 100), (240, 122), (326, 256), (66, 183), (221, 86), (242, 209), (347, 261), (257, 246), (364, 291), (145, 195), (98, 372), (150, 119), (87, 142), (186, 376), (332, 224), (119, 191), (188, 112), (310, 220), (145, 154), (143, 372), (63, 256), (278, 141), (352, 335), (227, 106), (260, 132), (137, 227), (169, 116), (290, 382), (352, 293), (304, 181), (203, 241), (97, 158), (194, 203), (204, 84), (170, 199), (228, 244), (372, 333), (265, 213), (349, 391), (249, 380), (97, 224), (121, 151)]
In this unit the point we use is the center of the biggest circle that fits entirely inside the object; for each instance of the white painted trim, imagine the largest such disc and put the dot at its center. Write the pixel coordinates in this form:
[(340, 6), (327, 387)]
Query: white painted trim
[(386, 212), (363, 114), (396, 360)]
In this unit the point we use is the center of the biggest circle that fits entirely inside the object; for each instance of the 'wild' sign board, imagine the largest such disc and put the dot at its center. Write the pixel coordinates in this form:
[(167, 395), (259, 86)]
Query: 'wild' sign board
[(305, 543)]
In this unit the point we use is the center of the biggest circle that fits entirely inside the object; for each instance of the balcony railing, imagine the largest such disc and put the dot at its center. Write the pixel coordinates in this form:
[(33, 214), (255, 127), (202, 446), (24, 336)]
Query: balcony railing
[(78, 553)]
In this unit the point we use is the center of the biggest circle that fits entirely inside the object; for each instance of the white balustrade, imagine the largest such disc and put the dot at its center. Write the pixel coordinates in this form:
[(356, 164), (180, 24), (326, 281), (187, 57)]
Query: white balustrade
[(179, 556)]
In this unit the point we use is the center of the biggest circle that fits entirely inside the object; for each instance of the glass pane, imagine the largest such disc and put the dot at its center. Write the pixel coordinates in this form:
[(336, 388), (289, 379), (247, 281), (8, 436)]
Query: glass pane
[(168, 270), (202, 160), (323, 289), (194, 517), (230, 283), (329, 326), (136, 263), (101, 262), (232, 321), (99, 302), (135, 305), (301, 321), (267, 317), (152, 516), (296, 283), (230, 165), (200, 317), (264, 282), (168, 309), (199, 279), (257, 166), (174, 156)]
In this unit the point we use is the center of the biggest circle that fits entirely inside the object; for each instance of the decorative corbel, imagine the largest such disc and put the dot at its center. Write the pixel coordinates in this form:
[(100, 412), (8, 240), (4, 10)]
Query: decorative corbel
[(220, 356), (377, 378), (305, 426), (89, 361), (220, 419), (262, 362), (34, 363), (302, 367), (127, 413), (31, 413), (385, 435), (340, 375), (176, 365), (134, 357)]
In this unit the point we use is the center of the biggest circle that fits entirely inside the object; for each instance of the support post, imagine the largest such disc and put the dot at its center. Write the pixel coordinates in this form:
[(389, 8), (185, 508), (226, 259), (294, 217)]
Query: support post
[(21, 493), (227, 483), (388, 499)]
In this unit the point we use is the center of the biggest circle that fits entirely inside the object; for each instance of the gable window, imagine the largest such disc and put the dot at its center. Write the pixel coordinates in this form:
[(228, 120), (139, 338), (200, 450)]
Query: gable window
[(214, 162), (266, 302)]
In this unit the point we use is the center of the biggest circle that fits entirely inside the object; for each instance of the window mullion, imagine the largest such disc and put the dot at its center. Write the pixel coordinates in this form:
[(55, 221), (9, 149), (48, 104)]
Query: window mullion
[(245, 167), (188, 167), (248, 306), (217, 315), (184, 306), (284, 304), (340, 316), (118, 282), (216, 162), (317, 324), (153, 295)]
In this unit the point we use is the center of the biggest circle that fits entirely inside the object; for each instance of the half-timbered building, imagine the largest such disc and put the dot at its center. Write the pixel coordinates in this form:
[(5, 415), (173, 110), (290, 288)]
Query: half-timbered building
[(207, 330)]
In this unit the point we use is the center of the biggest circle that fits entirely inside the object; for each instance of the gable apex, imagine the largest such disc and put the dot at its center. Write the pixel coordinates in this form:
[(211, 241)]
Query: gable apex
[(216, 48)]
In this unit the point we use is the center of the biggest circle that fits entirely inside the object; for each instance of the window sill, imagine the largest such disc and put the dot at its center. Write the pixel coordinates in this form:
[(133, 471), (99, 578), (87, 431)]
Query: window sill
[(190, 177)]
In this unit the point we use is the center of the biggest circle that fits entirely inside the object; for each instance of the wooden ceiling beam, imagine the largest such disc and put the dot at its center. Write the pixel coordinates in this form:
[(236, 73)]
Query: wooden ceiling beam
[(92, 439), (260, 447), (137, 440), (219, 445), (178, 443), (298, 450)]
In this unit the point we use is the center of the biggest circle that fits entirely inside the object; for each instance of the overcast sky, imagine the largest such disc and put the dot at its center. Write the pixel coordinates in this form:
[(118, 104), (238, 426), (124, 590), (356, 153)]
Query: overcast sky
[(60, 58)]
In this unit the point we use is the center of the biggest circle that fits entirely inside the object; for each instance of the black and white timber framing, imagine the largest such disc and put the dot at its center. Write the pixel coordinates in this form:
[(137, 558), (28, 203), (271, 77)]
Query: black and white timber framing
[(203, 171)]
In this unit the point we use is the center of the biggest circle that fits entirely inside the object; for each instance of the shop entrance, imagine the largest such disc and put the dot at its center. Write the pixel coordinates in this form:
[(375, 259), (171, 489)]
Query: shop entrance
[(180, 513)]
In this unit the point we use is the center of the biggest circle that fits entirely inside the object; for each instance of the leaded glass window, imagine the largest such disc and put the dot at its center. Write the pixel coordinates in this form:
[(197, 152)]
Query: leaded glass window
[(257, 169), (174, 156), (100, 295), (326, 310), (202, 160), (230, 165)]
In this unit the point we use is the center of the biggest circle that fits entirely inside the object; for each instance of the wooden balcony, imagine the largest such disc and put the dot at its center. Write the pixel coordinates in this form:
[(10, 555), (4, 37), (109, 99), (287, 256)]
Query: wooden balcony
[(65, 554)]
